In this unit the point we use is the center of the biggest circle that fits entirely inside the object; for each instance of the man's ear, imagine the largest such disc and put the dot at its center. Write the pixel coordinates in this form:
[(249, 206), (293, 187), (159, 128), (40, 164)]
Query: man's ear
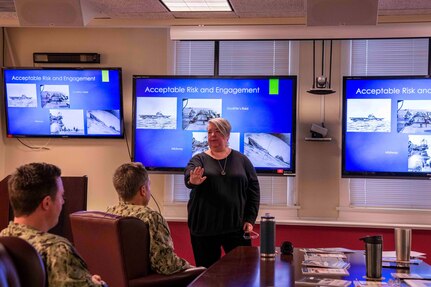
[(142, 190), (46, 202)]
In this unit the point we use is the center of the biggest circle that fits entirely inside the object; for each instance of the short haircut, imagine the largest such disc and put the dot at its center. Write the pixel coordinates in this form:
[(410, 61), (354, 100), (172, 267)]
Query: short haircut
[(30, 184), (222, 125), (128, 178)]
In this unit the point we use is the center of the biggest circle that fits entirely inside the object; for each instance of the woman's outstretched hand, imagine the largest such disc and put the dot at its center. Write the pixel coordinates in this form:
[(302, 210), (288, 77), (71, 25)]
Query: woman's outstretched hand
[(196, 176)]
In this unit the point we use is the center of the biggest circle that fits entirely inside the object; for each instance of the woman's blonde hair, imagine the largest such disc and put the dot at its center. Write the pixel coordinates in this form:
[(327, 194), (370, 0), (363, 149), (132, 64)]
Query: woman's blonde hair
[(222, 125)]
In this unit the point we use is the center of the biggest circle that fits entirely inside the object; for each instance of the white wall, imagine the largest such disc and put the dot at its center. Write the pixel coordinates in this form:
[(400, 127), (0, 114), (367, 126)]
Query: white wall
[(137, 51), (318, 162)]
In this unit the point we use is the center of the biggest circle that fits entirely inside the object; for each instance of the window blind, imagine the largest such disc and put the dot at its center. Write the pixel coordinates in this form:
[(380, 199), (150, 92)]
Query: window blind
[(389, 57), (273, 190), (411, 194), (194, 58), (254, 58)]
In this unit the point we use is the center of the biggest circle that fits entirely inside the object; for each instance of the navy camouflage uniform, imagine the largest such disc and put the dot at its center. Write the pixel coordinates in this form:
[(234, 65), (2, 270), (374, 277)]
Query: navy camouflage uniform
[(65, 268), (162, 255)]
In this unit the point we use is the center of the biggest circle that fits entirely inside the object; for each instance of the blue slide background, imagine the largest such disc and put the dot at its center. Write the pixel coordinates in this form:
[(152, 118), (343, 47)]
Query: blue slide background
[(381, 152), (84, 95), (172, 148)]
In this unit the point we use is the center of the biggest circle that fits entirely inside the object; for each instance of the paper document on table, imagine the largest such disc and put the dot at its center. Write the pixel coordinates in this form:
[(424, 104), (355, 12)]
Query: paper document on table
[(324, 271), (410, 276), (328, 250), (326, 262), (394, 260), (413, 254), (398, 265), (418, 283), (319, 281), (313, 256), (358, 283)]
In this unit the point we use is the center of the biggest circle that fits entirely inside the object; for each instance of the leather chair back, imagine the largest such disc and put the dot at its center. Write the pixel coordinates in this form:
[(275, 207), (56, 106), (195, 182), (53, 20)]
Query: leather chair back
[(99, 237), (118, 249), (8, 272), (28, 264)]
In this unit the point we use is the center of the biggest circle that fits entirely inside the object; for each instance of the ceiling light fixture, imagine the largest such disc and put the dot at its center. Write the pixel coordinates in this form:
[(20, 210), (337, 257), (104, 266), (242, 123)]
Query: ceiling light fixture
[(197, 5)]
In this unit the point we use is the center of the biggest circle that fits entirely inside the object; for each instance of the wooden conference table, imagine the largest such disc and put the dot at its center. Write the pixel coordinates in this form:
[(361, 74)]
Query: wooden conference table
[(244, 267)]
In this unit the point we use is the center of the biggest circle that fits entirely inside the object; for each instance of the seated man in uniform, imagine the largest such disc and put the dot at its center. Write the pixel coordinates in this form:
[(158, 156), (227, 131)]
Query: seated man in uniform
[(132, 184), (36, 195)]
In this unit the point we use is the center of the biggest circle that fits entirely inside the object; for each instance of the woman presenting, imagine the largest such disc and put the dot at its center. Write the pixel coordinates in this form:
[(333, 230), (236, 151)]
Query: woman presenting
[(224, 198)]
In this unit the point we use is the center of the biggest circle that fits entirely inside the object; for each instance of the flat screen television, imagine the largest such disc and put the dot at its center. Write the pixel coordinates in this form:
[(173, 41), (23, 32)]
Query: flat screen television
[(386, 127), (63, 102), (170, 117)]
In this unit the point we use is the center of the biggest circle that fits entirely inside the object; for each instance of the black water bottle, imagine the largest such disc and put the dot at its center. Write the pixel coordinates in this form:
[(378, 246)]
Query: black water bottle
[(267, 236)]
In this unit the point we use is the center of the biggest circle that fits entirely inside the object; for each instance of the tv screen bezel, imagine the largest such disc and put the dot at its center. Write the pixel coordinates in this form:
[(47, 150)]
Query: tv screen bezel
[(63, 68), (259, 171), (374, 174)]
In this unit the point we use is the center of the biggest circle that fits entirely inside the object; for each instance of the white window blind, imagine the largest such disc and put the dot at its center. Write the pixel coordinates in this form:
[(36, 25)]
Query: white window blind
[(254, 58), (389, 57), (194, 58), (276, 190), (395, 193), (273, 190), (237, 58), (385, 58)]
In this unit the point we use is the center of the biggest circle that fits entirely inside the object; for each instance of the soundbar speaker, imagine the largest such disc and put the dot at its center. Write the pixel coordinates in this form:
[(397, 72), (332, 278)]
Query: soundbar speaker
[(89, 58)]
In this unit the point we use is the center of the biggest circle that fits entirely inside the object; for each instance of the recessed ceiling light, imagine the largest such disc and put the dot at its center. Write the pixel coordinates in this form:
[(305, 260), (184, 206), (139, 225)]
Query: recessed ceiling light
[(197, 5)]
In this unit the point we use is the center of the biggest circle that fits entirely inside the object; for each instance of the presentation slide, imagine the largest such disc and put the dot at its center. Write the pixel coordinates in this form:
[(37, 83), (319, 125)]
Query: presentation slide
[(387, 126), (63, 102), (171, 115)]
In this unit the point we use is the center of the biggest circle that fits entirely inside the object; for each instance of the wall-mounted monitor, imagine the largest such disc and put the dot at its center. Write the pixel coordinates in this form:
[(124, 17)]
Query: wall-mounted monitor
[(171, 114), (63, 102), (386, 127)]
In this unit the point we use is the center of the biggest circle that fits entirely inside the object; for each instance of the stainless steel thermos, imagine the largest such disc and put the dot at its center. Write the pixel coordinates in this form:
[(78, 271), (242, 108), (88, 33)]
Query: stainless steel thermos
[(403, 243), (373, 256)]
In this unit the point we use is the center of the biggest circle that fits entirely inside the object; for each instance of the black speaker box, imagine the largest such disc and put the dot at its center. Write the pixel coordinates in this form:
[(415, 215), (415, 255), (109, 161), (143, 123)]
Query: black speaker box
[(70, 58)]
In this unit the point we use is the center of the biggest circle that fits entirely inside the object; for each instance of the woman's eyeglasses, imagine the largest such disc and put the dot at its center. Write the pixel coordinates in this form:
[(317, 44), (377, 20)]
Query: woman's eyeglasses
[(250, 235)]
